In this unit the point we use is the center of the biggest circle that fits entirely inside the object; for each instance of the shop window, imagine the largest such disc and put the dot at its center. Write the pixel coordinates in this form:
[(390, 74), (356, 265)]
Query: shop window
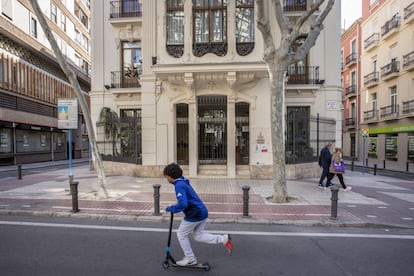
[(410, 156), (6, 143), (391, 147)]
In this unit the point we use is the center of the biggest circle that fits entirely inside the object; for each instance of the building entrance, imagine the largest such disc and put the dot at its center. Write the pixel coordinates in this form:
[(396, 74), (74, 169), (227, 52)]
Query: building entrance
[(212, 129)]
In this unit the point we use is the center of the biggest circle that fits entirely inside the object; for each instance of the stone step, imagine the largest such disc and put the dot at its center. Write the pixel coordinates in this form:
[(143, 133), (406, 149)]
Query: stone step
[(212, 170)]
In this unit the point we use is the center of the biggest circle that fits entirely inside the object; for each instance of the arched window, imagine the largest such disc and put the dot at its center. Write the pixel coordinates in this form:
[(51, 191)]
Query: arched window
[(244, 26), (175, 28), (209, 27)]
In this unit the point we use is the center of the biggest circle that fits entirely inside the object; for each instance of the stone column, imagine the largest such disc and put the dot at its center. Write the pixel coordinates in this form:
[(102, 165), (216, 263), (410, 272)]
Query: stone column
[(231, 137), (192, 138)]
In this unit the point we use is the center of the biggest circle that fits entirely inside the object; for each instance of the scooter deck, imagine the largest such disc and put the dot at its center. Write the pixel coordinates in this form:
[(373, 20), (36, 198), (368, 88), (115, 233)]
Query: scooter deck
[(205, 266)]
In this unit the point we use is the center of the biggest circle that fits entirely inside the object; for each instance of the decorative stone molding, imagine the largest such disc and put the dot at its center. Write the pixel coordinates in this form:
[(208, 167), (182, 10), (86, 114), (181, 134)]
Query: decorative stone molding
[(127, 34)]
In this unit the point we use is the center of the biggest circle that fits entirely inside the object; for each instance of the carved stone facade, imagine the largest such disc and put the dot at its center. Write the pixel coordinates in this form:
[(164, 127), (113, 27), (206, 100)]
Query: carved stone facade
[(205, 110)]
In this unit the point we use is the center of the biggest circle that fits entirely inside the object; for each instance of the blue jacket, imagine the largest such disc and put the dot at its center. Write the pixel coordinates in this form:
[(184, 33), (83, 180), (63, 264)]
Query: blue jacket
[(188, 201)]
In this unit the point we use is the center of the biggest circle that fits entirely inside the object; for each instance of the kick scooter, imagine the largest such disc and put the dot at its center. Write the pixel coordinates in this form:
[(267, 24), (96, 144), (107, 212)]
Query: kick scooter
[(169, 258)]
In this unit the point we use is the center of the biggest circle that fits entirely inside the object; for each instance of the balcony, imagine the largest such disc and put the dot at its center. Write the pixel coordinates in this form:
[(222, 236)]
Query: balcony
[(371, 79), (350, 122), (127, 79), (351, 59), (408, 107), (408, 61), (390, 27), (303, 75), (390, 111), (390, 71), (371, 115), (409, 13), (125, 9), (350, 90), (294, 5), (371, 42)]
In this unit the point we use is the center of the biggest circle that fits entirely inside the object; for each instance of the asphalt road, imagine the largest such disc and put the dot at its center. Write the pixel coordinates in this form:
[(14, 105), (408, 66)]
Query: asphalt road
[(64, 246)]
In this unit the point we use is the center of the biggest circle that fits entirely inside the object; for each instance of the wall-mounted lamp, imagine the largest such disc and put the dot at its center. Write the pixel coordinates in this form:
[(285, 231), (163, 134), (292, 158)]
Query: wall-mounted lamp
[(154, 60), (321, 81), (107, 87)]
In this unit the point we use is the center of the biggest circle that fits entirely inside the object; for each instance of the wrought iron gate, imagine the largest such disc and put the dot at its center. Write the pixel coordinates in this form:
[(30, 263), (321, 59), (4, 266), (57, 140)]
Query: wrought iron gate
[(182, 133), (242, 133), (212, 129)]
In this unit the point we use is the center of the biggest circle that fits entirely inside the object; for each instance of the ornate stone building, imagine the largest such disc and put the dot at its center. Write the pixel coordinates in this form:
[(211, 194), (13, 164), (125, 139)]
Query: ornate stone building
[(184, 81)]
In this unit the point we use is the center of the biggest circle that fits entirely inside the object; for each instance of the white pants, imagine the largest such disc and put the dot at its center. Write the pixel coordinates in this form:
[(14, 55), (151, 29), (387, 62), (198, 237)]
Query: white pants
[(197, 228)]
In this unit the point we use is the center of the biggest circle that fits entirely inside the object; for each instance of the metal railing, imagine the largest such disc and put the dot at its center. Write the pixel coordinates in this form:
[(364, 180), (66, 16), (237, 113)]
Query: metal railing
[(125, 8), (351, 58), (374, 38), (350, 121), (294, 5), (125, 79), (391, 24), (408, 107), (372, 77), (408, 59), (350, 89), (371, 114), (303, 75), (392, 67), (390, 110), (409, 10)]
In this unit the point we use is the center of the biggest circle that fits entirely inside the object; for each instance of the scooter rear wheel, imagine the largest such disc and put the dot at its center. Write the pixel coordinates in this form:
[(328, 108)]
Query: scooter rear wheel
[(165, 264)]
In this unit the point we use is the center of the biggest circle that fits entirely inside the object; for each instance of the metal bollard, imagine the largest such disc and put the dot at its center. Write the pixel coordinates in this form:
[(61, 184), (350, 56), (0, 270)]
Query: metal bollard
[(334, 202), (156, 199), (408, 166), (384, 163), (19, 171), (74, 192), (246, 200), (352, 165), (366, 162), (375, 169)]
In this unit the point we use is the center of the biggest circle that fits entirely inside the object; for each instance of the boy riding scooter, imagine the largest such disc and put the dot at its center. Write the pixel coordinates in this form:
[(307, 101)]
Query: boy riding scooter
[(195, 216)]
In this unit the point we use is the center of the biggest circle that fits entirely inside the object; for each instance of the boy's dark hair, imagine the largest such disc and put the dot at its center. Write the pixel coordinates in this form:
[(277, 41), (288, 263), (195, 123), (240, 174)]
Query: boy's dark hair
[(173, 170)]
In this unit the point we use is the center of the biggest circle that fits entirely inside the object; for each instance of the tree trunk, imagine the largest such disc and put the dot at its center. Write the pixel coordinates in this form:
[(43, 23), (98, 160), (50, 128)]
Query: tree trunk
[(101, 193), (277, 79)]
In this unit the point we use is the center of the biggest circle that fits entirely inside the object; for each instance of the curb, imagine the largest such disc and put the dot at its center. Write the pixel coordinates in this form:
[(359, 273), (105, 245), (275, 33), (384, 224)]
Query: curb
[(302, 223)]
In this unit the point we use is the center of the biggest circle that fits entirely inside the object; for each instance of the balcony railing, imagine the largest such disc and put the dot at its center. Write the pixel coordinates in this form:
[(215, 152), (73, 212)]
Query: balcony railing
[(409, 11), (350, 121), (294, 5), (390, 68), (371, 115), (371, 78), (303, 75), (350, 89), (351, 59), (390, 110), (125, 79), (408, 60), (408, 107), (390, 25), (125, 8), (371, 40)]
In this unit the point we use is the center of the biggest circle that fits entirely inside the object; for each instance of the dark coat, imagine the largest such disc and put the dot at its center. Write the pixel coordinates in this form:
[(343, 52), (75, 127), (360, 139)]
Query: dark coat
[(325, 158)]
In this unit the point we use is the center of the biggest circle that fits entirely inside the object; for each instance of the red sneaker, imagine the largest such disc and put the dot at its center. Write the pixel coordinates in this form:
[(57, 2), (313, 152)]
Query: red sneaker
[(228, 243)]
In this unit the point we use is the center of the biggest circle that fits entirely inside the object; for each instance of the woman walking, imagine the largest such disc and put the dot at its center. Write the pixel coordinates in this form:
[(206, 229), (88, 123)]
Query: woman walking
[(337, 168)]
